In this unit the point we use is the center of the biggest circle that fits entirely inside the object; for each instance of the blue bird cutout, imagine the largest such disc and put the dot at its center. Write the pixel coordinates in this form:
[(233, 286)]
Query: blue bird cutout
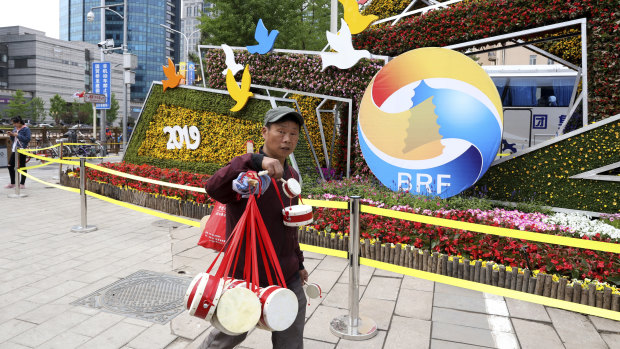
[(264, 38)]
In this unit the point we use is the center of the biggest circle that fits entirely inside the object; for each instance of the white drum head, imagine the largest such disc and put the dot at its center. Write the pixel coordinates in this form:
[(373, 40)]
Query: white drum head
[(293, 187), (238, 311), (280, 309), (313, 290)]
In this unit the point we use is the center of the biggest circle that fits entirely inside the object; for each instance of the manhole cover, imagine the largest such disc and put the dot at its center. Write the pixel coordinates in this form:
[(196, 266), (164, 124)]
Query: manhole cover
[(164, 223), (143, 295)]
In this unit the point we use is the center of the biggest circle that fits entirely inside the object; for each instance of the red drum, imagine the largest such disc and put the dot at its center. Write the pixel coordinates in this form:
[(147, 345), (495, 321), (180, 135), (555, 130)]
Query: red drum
[(279, 308), (203, 294), (232, 283), (238, 310), (297, 215), (313, 290), (291, 188)]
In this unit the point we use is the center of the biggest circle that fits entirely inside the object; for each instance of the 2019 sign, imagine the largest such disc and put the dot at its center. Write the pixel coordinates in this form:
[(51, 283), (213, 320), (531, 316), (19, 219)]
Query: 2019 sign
[(178, 136)]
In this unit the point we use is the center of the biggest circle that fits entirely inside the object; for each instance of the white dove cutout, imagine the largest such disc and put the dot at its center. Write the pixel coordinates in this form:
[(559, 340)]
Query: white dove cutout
[(230, 61), (346, 55)]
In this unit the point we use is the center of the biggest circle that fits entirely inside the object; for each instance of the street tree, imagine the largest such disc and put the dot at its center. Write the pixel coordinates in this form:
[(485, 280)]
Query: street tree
[(18, 106), (84, 113), (301, 23), (57, 108), (112, 114), (37, 109), (68, 117)]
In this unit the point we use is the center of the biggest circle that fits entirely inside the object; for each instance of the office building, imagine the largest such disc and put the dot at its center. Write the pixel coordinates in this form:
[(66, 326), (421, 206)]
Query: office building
[(43, 66), (190, 22), (146, 38)]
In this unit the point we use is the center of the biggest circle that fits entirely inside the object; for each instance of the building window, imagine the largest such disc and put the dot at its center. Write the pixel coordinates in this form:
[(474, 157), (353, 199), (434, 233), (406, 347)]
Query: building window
[(532, 59), (550, 61), (21, 63)]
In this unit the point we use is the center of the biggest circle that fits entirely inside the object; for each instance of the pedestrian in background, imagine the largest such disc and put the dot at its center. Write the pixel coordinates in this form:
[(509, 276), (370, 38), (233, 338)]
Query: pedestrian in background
[(20, 136)]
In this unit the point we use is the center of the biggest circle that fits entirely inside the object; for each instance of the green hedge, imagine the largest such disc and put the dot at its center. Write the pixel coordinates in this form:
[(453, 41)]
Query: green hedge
[(543, 175), (197, 100)]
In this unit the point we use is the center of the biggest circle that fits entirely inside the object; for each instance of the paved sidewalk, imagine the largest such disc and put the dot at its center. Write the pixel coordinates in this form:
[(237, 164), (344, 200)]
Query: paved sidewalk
[(44, 267)]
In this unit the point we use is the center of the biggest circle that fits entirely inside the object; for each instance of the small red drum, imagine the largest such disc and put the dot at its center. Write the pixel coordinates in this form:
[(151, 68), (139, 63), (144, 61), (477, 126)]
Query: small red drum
[(291, 188), (203, 295), (297, 215), (279, 308), (232, 283), (238, 311), (313, 290)]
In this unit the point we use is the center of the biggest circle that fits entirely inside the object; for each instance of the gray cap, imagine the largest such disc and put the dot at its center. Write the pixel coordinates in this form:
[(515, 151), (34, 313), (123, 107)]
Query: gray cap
[(277, 113)]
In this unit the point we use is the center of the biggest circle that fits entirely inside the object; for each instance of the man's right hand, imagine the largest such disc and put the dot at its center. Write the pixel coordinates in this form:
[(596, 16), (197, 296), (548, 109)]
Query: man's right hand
[(273, 166)]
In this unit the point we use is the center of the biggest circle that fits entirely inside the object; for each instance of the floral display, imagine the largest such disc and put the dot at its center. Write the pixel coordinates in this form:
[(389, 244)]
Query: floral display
[(148, 144), (384, 9), (582, 224), (222, 137), (567, 261), (308, 106), (544, 174), (152, 172), (303, 73), (471, 20), (540, 175)]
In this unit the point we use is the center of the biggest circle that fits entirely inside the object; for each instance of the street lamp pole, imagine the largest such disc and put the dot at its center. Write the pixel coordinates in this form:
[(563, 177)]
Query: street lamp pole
[(186, 37), (126, 64), (102, 122), (126, 75)]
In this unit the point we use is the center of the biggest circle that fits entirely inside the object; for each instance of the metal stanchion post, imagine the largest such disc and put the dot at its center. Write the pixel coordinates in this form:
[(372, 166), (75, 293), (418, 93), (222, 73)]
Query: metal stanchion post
[(60, 164), (18, 178), (83, 228), (354, 326)]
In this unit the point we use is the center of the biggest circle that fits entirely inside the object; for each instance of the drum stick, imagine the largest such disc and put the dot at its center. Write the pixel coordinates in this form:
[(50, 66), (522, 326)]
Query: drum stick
[(254, 182)]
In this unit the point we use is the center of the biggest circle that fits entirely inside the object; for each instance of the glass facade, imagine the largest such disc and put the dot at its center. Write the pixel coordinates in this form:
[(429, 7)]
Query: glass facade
[(146, 38)]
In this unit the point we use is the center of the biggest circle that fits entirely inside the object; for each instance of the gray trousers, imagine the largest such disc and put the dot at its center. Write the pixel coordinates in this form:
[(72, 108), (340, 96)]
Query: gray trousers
[(291, 338)]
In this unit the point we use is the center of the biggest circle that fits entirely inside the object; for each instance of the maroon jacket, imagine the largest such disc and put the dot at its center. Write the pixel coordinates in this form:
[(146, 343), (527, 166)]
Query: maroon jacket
[(283, 238)]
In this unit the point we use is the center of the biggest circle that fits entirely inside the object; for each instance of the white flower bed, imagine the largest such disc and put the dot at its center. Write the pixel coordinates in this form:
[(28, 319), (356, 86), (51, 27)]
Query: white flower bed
[(582, 224)]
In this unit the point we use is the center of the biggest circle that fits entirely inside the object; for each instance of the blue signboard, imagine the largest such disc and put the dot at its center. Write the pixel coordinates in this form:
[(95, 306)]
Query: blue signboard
[(540, 121), (101, 82), (191, 73)]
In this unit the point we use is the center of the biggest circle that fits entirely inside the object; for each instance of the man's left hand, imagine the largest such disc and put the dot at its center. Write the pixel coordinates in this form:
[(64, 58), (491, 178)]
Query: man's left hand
[(303, 273)]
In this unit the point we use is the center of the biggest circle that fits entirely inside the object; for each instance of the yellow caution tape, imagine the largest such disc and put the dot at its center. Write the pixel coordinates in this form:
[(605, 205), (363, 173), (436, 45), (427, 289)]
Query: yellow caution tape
[(323, 250), (471, 285), (58, 161), (119, 203), (499, 231), (74, 190), (88, 157), (146, 210), (35, 166), (46, 148), (143, 179), (327, 204), (500, 291)]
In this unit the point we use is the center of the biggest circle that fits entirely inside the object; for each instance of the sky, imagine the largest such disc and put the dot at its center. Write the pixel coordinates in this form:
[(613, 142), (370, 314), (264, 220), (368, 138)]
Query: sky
[(41, 15)]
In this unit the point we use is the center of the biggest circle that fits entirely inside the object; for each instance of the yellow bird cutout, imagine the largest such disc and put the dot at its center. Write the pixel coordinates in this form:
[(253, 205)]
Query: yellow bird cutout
[(239, 94), (173, 78), (356, 21)]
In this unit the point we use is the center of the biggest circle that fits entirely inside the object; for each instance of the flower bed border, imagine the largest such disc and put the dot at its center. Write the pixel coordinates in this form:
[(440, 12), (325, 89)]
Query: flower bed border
[(172, 206), (492, 274)]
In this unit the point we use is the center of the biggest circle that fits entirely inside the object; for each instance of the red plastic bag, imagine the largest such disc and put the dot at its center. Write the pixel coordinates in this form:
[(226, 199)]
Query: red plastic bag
[(214, 234)]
